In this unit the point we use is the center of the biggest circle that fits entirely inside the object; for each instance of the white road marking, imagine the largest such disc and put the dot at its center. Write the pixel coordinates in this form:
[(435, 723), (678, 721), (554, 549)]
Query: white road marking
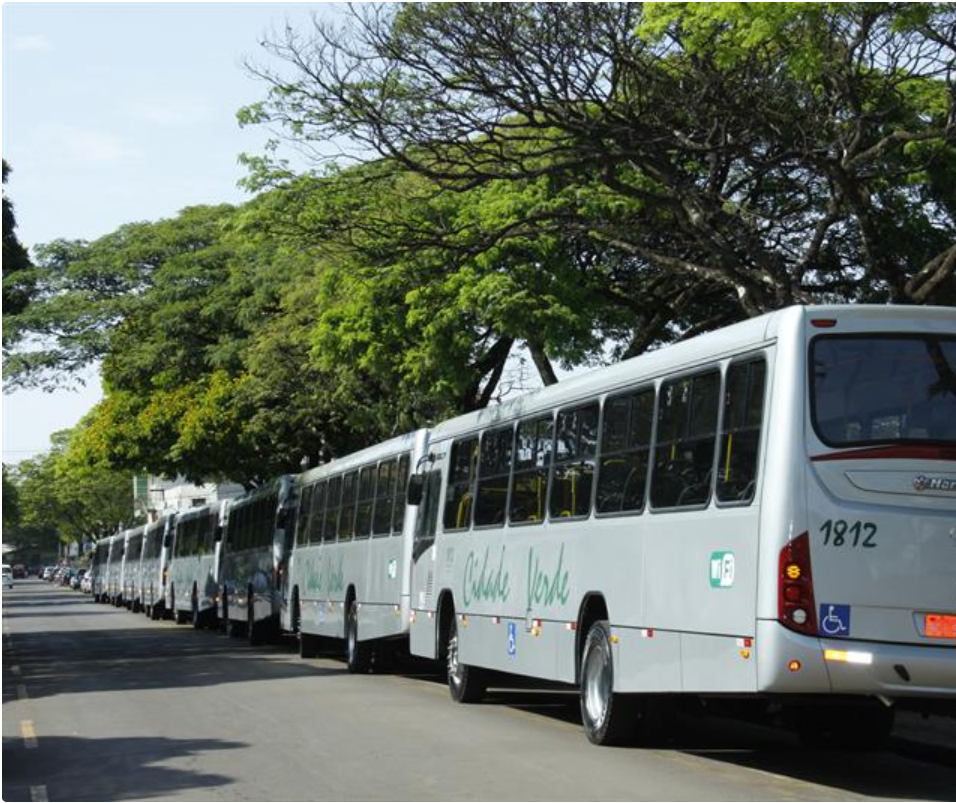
[(38, 794), (16, 670)]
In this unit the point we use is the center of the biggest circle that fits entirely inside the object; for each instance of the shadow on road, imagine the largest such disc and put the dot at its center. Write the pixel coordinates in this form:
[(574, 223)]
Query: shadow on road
[(107, 769)]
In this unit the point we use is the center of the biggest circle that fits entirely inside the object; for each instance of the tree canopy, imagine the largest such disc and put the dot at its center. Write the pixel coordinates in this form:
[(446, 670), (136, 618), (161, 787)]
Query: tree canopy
[(60, 498), (571, 182)]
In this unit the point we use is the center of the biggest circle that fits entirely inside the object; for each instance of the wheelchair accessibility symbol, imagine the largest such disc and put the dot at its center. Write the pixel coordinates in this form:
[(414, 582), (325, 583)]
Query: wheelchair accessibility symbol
[(834, 620)]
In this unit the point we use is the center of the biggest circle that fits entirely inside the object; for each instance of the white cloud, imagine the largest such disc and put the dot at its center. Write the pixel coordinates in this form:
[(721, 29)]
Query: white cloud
[(36, 42)]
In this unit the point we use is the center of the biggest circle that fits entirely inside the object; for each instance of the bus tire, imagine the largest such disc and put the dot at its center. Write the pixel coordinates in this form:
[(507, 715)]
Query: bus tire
[(253, 628), (197, 615), (467, 684), (308, 645), (357, 655), (609, 718)]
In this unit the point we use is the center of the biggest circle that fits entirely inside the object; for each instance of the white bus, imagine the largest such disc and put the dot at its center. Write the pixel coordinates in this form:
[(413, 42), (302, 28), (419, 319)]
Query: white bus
[(114, 568), (350, 570), (154, 570), (766, 512), (255, 548), (101, 558), (130, 572), (194, 565)]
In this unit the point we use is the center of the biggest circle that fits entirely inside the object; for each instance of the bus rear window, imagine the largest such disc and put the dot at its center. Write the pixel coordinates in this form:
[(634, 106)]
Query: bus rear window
[(883, 388)]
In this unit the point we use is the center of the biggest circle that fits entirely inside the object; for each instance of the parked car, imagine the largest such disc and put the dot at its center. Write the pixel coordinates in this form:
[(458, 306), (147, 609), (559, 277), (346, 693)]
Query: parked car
[(7, 576), (19, 571), (66, 575), (77, 579), (48, 573), (86, 585)]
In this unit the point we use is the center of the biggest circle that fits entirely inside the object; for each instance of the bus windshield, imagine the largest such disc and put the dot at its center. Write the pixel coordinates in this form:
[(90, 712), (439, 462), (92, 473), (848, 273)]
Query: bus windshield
[(868, 389)]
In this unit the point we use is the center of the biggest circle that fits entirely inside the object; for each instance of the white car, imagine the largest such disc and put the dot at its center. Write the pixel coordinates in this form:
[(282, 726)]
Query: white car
[(7, 576)]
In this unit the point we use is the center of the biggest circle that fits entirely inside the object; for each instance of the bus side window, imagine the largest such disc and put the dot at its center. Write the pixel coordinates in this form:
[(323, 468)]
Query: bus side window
[(347, 512), (575, 445), (333, 501), (366, 501), (686, 435), (384, 498), (427, 522), (302, 525), (625, 446), (740, 433), (460, 492), (532, 462), (401, 491), (494, 468), (317, 508)]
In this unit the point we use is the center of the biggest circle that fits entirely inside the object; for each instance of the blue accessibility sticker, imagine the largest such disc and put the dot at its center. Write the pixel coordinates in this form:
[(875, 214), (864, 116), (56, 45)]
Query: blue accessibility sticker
[(834, 620), (512, 639)]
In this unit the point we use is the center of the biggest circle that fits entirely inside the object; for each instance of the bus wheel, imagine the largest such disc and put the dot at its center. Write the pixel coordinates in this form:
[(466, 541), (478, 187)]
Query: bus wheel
[(253, 628), (197, 616), (467, 684), (609, 718), (357, 654)]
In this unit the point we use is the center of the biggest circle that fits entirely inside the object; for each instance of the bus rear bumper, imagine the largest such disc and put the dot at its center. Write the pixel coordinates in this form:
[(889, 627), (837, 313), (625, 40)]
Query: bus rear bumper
[(790, 663)]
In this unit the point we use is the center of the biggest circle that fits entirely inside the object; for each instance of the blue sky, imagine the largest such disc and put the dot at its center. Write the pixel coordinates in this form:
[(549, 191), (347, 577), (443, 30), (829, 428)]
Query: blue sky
[(119, 112)]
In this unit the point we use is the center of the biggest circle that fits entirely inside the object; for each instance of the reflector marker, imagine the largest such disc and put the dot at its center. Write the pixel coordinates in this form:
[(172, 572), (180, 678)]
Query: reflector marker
[(647, 632), (849, 656)]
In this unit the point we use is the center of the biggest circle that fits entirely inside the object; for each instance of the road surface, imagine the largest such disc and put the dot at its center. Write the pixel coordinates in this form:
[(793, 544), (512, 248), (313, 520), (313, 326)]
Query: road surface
[(101, 704)]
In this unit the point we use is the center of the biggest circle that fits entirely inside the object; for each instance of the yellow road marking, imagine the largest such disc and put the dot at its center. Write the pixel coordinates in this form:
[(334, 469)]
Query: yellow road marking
[(29, 734)]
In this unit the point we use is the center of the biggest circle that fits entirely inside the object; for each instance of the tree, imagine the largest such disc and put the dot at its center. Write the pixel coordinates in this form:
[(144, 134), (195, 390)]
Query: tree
[(757, 156), (63, 500), (16, 262)]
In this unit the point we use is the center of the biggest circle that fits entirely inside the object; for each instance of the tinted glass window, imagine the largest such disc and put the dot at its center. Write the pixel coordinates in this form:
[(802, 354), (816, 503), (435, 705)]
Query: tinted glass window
[(534, 441), (879, 389), (347, 511), (401, 490), (384, 498), (493, 473), (427, 521), (332, 502), (740, 431), (459, 494), (302, 524), (573, 474), (686, 435), (366, 500), (625, 451), (316, 512)]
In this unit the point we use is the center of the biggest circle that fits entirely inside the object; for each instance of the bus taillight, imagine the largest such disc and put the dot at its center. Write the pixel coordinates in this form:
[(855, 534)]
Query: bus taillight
[(795, 605)]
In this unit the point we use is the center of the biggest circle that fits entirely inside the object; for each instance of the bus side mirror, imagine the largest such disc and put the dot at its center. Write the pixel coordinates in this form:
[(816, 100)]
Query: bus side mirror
[(416, 487)]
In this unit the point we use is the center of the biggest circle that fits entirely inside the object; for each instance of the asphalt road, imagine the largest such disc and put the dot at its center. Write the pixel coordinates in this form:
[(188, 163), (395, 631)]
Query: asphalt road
[(101, 704)]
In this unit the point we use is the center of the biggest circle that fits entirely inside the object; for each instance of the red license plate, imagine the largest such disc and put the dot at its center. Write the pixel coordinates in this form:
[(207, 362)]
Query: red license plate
[(939, 625)]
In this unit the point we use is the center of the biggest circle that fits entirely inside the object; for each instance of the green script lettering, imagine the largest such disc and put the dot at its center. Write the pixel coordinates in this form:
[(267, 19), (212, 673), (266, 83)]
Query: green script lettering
[(490, 585), (545, 589)]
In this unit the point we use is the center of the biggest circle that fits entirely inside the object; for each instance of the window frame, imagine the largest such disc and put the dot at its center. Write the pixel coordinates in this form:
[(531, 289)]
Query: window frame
[(652, 468), (574, 407), (536, 419), (811, 397), (478, 477), (756, 356), (634, 390), (472, 481)]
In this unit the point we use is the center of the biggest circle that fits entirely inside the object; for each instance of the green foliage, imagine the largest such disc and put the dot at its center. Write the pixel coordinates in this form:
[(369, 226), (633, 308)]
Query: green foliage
[(17, 287), (61, 498)]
